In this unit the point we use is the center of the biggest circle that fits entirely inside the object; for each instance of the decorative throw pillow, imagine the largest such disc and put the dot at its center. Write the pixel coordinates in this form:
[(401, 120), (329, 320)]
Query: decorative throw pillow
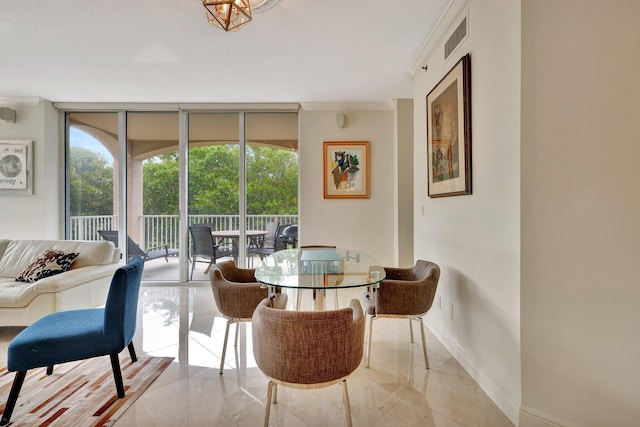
[(50, 263)]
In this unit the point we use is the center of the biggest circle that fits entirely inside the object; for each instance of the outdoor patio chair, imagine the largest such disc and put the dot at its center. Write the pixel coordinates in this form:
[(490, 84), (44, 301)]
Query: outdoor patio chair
[(203, 245), (269, 243), (162, 251), (288, 236)]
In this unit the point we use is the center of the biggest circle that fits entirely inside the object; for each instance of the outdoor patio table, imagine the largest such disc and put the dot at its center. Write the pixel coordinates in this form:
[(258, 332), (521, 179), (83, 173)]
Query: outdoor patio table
[(255, 238)]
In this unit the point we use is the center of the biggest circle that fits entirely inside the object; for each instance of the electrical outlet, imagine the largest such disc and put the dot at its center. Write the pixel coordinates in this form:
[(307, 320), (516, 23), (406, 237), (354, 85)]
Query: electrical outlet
[(451, 310), (439, 302)]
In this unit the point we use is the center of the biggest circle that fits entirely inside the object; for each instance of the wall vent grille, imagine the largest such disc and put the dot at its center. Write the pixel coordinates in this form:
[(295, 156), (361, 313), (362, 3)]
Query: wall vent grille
[(458, 35)]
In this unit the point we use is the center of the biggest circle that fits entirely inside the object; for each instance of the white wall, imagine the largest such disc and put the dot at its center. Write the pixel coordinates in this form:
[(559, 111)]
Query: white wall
[(34, 216), (403, 188), (476, 238), (363, 223), (581, 213), (342, 222)]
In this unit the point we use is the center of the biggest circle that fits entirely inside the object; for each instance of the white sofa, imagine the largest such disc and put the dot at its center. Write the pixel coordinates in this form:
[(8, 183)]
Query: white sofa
[(84, 285)]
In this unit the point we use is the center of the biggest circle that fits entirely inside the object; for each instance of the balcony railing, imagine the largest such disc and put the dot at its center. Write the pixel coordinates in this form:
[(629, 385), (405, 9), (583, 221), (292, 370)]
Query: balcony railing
[(163, 229)]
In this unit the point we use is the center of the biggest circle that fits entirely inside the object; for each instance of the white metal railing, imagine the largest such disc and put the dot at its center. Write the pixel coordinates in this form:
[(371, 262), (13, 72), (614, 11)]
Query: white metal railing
[(86, 227), (164, 229)]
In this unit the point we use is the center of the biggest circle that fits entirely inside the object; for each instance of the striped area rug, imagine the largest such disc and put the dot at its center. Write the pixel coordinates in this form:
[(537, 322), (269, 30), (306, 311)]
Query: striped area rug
[(79, 393)]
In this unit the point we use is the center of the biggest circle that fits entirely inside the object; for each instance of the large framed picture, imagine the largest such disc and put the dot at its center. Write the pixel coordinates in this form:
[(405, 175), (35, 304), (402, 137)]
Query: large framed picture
[(346, 170), (16, 167), (449, 133)]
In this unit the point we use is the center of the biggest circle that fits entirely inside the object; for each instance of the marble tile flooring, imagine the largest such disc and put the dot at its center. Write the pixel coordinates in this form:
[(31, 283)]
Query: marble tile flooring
[(396, 390)]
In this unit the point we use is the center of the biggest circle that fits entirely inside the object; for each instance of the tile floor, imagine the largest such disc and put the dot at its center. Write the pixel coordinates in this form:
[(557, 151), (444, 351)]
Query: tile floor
[(397, 390)]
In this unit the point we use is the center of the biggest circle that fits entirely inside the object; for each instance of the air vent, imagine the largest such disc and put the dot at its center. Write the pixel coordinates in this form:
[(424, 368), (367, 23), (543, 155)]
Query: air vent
[(458, 35)]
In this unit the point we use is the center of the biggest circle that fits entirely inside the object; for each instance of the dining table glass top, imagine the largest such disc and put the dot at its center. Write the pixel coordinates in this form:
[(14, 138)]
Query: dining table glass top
[(319, 268)]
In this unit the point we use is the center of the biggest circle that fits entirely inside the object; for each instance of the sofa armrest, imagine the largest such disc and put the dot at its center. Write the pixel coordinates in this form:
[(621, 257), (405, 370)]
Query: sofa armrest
[(117, 256)]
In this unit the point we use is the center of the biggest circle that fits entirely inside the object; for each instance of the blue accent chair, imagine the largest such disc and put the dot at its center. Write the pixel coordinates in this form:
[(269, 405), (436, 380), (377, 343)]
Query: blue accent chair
[(72, 335)]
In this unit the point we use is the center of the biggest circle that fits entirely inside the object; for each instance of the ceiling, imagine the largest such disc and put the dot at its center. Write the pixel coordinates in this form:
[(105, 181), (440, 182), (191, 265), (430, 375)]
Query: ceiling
[(304, 51)]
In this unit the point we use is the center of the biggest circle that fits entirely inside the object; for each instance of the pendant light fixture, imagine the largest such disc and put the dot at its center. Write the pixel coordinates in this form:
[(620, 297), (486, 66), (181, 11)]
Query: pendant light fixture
[(229, 15), (232, 14)]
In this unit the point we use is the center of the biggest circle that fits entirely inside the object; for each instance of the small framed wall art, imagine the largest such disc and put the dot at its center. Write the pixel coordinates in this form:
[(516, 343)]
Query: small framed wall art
[(449, 133), (346, 169), (16, 170)]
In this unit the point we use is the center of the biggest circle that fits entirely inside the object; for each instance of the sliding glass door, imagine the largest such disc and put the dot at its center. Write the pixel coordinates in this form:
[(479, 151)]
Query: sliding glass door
[(241, 174), (92, 152), (214, 187), (271, 159), (153, 173)]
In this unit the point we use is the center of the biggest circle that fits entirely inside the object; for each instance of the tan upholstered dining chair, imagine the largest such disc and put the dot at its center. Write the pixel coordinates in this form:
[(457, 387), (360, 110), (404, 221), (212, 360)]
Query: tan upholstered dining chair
[(307, 349), (237, 293), (404, 293)]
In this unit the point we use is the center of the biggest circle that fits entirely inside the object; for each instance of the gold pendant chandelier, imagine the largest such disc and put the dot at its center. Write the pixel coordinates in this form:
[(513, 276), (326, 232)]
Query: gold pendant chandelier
[(229, 15), (232, 14)]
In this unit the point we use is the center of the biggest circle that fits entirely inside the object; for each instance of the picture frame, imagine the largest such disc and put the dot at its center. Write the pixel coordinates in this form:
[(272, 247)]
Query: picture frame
[(449, 133), (346, 169), (16, 167)]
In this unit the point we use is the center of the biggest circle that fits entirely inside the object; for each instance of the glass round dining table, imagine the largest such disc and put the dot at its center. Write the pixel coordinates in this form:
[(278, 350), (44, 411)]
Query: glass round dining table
[(319, 269)]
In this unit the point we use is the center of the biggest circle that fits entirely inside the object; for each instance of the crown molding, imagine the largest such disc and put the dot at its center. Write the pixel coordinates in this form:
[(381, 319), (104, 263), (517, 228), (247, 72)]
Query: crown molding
[(436, 38), (348, 106)]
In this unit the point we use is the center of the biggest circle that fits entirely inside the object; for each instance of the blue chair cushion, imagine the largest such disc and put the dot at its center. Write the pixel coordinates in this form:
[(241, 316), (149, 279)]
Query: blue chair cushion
[(62, 337)]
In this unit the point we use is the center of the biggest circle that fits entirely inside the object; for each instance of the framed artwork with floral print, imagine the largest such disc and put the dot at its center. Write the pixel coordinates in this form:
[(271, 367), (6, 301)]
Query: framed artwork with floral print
[(346, 169)]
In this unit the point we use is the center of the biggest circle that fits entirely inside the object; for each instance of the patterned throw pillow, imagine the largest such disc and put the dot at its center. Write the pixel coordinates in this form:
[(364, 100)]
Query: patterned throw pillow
[(50, 263)]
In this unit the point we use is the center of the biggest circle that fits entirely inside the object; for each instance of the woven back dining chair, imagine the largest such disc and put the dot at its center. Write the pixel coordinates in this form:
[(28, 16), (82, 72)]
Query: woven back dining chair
[(406, 293), (307, 349), (237, 294)]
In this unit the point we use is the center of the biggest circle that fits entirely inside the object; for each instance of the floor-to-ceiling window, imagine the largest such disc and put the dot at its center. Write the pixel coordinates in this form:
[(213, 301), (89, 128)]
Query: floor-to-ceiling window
[(271, 159), (153, 175), (241, 173), (91, 174), (214, 183)]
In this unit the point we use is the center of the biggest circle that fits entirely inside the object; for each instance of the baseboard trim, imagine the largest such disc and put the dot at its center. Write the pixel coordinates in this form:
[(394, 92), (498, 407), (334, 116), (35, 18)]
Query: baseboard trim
[(530, 417), (496, 392)]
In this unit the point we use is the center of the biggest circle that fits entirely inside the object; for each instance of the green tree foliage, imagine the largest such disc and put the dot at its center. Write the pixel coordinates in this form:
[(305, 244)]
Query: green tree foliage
[(272, 182), (91, 183), (213, 180), (161, 184)]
